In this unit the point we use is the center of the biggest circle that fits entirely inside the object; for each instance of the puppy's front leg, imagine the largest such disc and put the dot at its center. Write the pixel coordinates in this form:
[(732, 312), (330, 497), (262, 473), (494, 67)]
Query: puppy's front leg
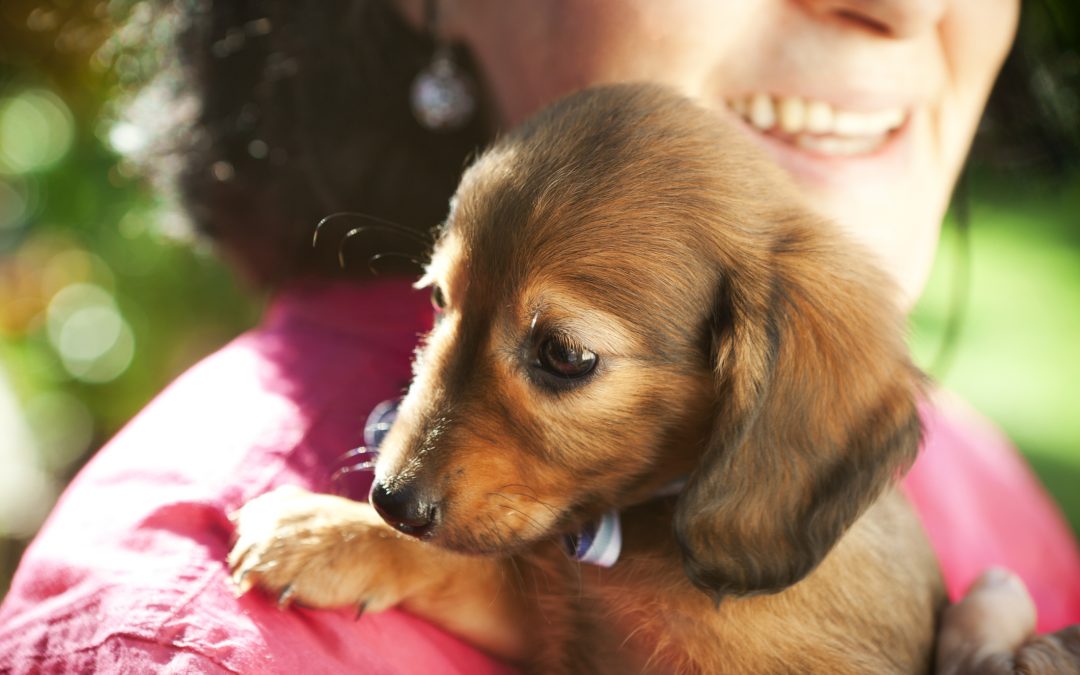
[(326, 551)]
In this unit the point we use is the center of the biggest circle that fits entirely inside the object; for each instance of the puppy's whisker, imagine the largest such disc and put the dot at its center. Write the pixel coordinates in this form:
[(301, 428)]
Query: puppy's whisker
[(345, 240), (392, 254), (530, 495), (631, 635), (518, 578), (366, 466), (368, 228), (361, 459), (539, 529), (374, 222), (493, 530)]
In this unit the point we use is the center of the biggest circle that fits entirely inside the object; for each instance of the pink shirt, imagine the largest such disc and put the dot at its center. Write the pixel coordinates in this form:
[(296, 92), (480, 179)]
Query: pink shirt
[(128, 574)]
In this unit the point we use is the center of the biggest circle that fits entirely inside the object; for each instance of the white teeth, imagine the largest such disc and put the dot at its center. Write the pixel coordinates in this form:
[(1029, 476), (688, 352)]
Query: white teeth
[(890, 119), (819, 117), (818, 122), (849, 124), (792, 114), (762, 113), (838, 145)]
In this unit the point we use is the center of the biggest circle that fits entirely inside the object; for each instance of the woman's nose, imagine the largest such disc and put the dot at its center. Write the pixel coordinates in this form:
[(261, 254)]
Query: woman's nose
[(893, 18)]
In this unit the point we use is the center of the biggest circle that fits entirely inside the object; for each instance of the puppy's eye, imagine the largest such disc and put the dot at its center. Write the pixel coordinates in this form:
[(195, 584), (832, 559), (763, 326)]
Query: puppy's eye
[(558, 357), (438, 299)]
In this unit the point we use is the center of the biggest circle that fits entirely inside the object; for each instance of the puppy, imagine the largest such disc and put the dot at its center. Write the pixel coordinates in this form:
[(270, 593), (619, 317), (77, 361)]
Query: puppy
[(627, 297)]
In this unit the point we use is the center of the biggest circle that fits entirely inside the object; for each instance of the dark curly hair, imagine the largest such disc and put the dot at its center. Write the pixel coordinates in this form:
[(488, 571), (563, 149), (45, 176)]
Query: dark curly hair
[(1032, 121), (278, 113)]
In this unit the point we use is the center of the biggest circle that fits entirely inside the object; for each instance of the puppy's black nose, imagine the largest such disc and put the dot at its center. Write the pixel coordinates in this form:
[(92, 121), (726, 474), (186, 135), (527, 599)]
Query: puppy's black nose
[(403, 509)]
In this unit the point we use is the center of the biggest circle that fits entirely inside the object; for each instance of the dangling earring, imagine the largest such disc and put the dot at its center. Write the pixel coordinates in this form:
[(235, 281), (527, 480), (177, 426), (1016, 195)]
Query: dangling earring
[(442, 95)]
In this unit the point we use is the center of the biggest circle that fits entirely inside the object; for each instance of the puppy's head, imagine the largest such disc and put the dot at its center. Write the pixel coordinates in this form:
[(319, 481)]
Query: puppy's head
[(627, 296)]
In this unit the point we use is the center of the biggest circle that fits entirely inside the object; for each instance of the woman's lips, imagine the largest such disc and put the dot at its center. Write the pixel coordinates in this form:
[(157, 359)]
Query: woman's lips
[(821, 143)]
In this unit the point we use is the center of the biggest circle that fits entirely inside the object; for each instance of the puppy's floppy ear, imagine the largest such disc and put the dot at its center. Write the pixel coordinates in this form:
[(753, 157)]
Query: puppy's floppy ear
[(815, 414)]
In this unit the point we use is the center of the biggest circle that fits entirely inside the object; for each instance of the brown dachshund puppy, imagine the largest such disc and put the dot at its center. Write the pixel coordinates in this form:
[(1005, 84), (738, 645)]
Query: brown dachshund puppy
[(628, 296)]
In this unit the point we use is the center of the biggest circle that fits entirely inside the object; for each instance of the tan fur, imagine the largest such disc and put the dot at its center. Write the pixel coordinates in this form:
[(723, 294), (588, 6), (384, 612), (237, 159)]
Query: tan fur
[(740, 341)]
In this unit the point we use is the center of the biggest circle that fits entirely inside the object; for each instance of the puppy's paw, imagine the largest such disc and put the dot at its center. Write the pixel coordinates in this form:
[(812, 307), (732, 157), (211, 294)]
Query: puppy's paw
[(320, 551)]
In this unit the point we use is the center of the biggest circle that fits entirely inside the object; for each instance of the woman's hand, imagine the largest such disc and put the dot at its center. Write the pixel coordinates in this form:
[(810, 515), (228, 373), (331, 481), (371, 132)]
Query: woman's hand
[(991, 630)]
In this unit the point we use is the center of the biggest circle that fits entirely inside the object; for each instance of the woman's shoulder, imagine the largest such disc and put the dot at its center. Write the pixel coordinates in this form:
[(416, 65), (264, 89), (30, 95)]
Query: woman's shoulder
[(981, 506), (286, 397)]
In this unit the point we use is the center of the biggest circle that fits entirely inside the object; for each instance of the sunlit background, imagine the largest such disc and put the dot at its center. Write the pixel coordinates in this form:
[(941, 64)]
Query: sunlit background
[(105, 297)]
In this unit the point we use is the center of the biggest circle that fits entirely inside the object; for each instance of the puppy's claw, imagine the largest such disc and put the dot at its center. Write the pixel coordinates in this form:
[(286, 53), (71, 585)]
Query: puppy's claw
[(242, 582), (238, 555), (284, 598), (289, 540)]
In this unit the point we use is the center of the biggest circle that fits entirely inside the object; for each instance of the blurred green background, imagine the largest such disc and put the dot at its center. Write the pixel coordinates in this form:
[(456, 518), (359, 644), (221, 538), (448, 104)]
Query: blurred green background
[(105, 297)]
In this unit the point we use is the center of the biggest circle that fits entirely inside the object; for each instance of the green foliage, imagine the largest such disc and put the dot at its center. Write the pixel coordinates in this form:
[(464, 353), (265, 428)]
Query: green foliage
[(1017, 359), (103, 298)]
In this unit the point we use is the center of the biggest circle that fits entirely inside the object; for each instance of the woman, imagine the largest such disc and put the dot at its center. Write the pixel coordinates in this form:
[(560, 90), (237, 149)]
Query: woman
[(870, 106)]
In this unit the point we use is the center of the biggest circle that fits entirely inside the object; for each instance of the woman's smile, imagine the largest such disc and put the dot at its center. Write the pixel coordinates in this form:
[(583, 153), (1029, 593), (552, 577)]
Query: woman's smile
[(825, 145)]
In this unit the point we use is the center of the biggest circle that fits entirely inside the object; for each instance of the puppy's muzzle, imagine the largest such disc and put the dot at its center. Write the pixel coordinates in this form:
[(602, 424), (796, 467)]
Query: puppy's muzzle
[(404, 509)]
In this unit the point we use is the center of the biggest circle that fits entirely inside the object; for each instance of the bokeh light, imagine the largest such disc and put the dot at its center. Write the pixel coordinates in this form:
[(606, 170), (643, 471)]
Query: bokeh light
[(94, 342), (100, 307), (26, 491), (14, 204), (62, 426), (36, 131), (126, 138)]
